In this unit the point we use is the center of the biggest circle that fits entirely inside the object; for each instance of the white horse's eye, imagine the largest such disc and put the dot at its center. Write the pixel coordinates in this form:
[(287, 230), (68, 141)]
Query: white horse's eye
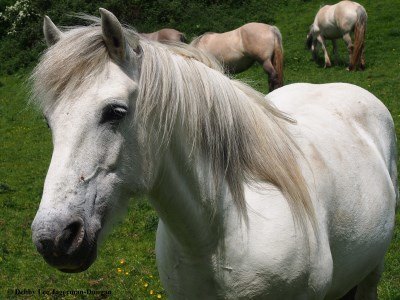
[(113, 113)]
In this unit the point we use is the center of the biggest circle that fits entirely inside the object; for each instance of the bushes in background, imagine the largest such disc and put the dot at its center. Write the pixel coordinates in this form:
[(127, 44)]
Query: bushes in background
[(21, 38)]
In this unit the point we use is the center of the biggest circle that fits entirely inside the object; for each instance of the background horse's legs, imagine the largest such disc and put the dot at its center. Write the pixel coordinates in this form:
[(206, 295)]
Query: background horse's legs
[(362, 63), (327, 60), (272, 75), (314, 50), (349, 44), (335, 52)]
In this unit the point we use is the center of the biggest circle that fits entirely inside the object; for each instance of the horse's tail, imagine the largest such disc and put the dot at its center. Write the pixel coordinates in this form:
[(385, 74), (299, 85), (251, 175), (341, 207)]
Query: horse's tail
[(277, 59), (359, 37)]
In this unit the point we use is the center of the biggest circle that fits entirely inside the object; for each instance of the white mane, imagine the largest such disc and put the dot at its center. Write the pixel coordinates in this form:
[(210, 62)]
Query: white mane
[(244, 136)]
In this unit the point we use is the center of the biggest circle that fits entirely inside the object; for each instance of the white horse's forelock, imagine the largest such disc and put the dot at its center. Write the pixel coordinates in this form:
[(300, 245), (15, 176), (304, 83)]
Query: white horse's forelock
[(245, 136)]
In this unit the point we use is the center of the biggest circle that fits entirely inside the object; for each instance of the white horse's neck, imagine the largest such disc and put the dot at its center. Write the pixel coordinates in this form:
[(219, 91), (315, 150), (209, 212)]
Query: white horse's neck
[(186, 199), (235, 125)]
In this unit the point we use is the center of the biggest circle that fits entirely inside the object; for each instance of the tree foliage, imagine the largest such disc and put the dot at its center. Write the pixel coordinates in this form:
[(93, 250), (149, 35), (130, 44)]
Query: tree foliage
[(21, 38)]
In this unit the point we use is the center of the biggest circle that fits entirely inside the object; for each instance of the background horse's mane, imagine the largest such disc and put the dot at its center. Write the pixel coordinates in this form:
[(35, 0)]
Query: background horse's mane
[(244, 135)]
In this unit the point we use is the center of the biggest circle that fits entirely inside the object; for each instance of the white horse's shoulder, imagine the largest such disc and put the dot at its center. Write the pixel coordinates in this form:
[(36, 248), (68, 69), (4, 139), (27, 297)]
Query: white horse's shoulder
[(257, 254)]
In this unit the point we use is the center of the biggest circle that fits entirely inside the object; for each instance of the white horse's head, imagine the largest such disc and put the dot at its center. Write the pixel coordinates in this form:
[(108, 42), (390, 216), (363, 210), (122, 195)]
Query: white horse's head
[(95, 166)]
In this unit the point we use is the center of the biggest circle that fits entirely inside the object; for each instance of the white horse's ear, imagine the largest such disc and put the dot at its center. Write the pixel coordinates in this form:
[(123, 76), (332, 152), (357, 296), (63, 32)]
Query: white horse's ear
[(113, 35), (51, 33)]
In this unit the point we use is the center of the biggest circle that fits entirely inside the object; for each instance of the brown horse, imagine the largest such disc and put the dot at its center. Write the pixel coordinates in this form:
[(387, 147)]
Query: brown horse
[(338, 21), (166, 35), (238, 49)]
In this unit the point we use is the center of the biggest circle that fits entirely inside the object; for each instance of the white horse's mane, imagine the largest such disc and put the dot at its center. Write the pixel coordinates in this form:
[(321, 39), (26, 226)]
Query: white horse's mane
[(243, 134)]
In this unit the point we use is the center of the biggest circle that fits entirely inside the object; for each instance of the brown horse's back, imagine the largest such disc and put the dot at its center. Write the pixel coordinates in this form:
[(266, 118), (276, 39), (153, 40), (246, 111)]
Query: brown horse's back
[(334, 20), (338, 21), (227, 48), (263, 42), (166, 35), (169, 34), (238, 49), (258, 40), (346, 14)]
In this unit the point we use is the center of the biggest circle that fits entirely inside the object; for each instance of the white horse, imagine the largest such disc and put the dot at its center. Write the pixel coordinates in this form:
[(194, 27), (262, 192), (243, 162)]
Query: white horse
[(252, 205), (337, 21)]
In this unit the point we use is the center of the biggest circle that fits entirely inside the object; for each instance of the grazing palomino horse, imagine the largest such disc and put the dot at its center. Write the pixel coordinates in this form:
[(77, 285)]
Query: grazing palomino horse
[(251, 204), (338, 21), (166, 35), (238, 49)]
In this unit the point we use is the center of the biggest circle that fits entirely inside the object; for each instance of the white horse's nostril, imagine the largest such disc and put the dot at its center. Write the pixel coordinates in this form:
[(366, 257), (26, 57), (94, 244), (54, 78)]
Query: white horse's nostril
[(45, 246), (71, 237), (63, 242)]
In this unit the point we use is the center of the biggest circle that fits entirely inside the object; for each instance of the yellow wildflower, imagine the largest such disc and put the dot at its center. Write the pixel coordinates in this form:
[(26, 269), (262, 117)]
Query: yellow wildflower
[(151, 292), (122, 261), (158, 296), (146, 284)]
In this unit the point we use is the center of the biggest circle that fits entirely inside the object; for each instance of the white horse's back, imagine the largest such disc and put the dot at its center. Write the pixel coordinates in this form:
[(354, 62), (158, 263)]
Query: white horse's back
[(347, 136)]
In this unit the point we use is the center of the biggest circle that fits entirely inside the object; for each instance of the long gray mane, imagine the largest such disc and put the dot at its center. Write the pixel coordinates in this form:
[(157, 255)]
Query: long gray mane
[(244, 135)]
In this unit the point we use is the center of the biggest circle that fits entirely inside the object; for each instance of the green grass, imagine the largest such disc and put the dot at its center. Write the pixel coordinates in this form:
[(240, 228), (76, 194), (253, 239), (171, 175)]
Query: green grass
[(26, 149)]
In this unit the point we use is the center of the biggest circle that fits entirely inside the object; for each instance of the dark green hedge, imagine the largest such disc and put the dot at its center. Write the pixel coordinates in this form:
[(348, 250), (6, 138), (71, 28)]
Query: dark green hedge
[(21, 40)]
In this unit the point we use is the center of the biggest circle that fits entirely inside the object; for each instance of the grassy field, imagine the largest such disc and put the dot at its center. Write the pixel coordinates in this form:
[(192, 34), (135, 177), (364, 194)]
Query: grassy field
[(126, 261)]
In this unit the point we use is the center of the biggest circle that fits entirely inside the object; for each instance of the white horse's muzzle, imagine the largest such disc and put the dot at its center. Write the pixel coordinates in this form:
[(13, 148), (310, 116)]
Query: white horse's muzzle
[(64, 242)]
